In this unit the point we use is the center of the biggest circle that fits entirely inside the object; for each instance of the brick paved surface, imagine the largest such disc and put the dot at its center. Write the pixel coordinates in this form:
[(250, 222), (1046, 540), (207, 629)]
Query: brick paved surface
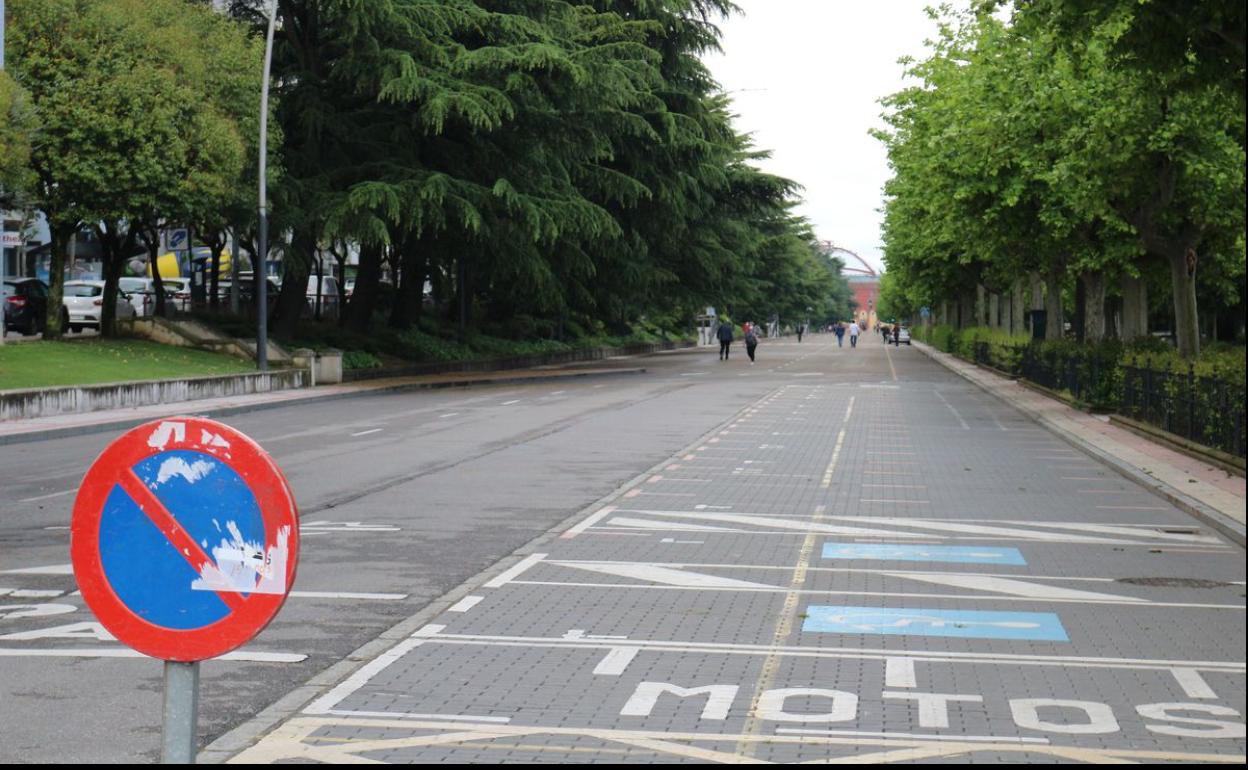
[(874, 561)]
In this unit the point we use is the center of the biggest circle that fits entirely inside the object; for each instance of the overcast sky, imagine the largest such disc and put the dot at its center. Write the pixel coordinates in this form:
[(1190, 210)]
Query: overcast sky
[(806, 77)]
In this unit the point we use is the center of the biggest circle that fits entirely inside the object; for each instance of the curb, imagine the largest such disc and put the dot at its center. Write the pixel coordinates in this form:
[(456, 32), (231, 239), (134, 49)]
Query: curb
[(1228, 527), (225, 411), (246, 735)]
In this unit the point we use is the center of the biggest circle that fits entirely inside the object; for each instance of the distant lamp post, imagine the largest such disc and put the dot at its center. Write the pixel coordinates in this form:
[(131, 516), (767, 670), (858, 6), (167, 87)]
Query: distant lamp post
[(260, 270)]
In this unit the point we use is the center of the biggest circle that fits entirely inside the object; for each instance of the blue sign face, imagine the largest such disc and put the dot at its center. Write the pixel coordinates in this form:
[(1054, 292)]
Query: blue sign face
[(955, 554), (964, 624), (211, 503)]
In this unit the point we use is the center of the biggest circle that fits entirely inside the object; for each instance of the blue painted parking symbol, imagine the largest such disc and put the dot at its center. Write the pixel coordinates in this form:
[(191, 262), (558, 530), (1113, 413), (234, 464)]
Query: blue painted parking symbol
[(955, 554), (964, 624)]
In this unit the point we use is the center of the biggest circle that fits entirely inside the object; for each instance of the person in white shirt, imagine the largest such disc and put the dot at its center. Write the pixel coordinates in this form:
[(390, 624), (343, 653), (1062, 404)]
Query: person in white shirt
[(854, 331)]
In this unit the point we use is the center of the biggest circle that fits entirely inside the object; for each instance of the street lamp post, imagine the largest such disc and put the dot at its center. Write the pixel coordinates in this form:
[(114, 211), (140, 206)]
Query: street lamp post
[(262, 252)]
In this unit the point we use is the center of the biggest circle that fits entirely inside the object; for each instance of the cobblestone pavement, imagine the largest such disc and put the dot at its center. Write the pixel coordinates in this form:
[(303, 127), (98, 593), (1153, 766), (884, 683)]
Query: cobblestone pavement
[(888, 567)]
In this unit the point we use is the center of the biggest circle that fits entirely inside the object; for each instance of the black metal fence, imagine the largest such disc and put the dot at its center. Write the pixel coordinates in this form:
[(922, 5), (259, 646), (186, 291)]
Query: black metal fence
[(1206, 410), (1203, 409)]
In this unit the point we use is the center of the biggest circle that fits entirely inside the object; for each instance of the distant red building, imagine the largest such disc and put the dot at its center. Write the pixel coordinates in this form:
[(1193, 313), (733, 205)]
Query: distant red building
[(863, 280)]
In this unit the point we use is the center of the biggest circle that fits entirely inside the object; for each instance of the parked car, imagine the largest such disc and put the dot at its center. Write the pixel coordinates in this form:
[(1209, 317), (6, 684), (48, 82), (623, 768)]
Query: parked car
[(328, 298), (142, 293), (25, 305), (84, 302), (177, 292)]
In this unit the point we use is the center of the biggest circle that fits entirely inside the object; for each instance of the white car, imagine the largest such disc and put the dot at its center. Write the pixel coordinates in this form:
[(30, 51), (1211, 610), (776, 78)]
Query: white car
[(84, 302), (142, 292), (177, 292), (903, 336)]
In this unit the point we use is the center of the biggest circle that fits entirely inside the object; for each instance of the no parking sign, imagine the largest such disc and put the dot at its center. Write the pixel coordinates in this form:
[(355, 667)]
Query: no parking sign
[(184, 539)]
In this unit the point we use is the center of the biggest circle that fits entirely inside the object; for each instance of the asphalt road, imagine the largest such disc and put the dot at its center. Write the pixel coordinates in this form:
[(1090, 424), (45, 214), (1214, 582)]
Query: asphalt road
[(725, 486)]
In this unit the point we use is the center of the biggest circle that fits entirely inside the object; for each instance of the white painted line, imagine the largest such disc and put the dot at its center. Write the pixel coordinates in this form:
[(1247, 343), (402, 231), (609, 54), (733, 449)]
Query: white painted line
[(54, 569), (341, 595), (243, 657), (404, 715), (922, 736), (1126, 601), (616, 661), (673, 541), (466, 603), (903, 502), (513, 401), (941, 396), (325, 703), (899, 672), (587, 523), (515, 571), (367, 432), (1193, 684), (449, 414), (897, 486), (47, 497), (30, 593), (1133, 507)]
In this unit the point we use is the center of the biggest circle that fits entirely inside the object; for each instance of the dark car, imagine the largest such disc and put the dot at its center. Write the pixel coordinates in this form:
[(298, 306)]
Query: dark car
[(26, 306)]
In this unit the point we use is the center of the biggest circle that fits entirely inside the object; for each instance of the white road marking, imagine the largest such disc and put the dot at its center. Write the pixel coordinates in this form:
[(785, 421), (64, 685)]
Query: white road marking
[(945, 401), (54, 569), (47, 497), (587, 523), (513, 401), (656, 574), (466, 603), (616, 661), (367, 432), (347, 595), (1193, 684), (899, 672), (923, 736), (771, 522), (515, 571), (325, 703), (449, 414)]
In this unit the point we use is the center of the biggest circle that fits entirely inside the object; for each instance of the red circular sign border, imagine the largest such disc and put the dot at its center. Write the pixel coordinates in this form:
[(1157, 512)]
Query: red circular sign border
[(273, 496)]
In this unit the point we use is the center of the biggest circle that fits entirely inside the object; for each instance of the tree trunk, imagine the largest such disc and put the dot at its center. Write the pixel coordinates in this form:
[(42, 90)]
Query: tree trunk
[(463, 292), (116, 248), (966, 309), (367, 288), (1186, 320), (994, 310), (1018, 308), (1134, 308), (407, 301), (151, 239), (1054, 320), (56, 280), (1093, 282)]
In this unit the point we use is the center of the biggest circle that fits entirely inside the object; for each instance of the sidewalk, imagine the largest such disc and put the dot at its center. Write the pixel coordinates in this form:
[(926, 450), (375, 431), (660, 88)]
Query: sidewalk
[(1207, 492), (18, 431)]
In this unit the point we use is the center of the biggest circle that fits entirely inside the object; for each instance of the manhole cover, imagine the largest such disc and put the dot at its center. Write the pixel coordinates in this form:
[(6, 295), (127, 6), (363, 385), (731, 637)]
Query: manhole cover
[(1172, 582)]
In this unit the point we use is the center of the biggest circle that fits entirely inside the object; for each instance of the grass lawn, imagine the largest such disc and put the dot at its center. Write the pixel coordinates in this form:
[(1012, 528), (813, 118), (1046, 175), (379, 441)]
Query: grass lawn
[(82, 362)]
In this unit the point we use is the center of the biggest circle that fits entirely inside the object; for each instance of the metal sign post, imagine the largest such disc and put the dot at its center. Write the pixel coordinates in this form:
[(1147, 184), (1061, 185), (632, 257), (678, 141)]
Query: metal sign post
[(177, 744)]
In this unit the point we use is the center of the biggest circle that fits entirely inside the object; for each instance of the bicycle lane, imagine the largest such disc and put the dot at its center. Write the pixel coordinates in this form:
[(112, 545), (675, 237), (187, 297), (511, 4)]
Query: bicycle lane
[(829, 575)]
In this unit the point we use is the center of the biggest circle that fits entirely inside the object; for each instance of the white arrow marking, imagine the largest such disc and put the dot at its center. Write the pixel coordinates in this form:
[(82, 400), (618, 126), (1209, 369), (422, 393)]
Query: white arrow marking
[(664, 575)]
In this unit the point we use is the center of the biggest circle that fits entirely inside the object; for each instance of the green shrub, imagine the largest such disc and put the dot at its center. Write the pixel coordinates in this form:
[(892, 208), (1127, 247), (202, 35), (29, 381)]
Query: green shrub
[(360, 359)]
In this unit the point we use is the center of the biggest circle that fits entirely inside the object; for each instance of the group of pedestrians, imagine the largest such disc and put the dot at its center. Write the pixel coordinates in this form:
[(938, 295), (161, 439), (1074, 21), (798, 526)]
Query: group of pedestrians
[(725, 335), (853, 330)]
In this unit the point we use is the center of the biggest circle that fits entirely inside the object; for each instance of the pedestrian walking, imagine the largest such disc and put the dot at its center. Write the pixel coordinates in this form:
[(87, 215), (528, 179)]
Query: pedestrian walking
[(897, 335), (751, 343), (801, 329), (854, 331), (840, 334), (725, 339)]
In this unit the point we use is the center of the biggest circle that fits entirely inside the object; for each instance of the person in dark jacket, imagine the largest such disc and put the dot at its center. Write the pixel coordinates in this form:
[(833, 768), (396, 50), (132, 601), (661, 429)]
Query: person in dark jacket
[(725, 339), (751, 342)]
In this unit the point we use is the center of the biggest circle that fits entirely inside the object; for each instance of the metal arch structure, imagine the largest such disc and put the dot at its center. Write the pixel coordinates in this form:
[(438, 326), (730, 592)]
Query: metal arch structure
[(862, 268)]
